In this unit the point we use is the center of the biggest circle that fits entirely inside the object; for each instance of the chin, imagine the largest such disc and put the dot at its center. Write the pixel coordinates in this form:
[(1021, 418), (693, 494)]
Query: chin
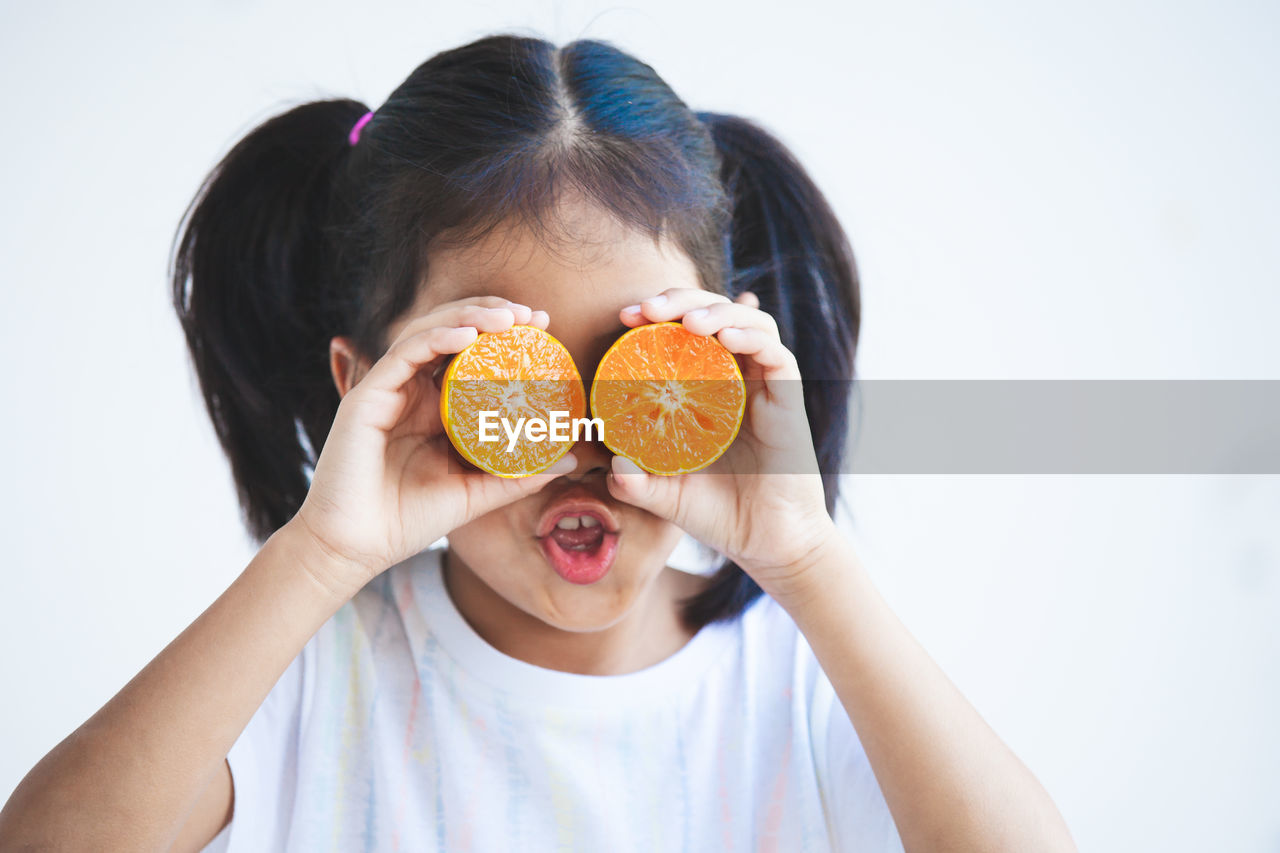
[(584, 608)]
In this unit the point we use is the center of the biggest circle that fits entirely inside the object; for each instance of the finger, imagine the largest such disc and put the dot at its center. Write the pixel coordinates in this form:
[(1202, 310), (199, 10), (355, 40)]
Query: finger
[(746, 297), (521, 310), (764, 349), (632, 315), (407, 355), (668, 305), (485, 318), (630, 483), (466, 311), (712, 318), (537, 319), (486, 492), (775, 423), (482, 301)]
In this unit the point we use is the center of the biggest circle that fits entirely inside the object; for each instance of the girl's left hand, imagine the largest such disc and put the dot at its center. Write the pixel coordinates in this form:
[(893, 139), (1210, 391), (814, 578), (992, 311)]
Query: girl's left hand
[(762, 503)]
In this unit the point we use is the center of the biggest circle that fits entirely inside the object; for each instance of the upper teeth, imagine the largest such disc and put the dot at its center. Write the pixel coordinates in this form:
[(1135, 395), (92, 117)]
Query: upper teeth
[(573, 522)]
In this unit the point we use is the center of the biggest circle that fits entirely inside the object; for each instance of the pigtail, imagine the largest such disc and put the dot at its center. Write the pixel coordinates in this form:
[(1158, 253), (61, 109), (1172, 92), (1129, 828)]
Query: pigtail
[(254, 290), (786, 246)]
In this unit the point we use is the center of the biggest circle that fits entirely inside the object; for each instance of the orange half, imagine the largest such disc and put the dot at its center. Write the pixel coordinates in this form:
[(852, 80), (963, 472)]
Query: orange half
[(671, 401), (522, 372)]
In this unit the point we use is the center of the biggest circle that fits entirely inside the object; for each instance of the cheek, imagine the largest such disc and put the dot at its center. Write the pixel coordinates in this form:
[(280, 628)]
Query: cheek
[(491, 537), (651, 539)]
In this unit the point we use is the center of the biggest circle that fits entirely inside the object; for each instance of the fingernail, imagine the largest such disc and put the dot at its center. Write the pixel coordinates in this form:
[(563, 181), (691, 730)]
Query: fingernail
[(660, 299), (631, 309), (701, 312), (566, 464), (624, 466)]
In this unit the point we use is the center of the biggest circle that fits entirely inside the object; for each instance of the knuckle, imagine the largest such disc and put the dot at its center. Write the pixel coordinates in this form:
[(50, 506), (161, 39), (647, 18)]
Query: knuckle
[(396, 350), (487, 313), (416, 326), (476, 300)]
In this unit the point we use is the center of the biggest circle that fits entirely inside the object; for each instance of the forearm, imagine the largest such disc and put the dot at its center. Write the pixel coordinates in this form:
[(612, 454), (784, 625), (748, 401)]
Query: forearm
[(948, 779), (127, 777)]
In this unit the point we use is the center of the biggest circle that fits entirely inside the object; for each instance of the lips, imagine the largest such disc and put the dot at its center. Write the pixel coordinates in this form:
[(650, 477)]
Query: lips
[(579, 536)]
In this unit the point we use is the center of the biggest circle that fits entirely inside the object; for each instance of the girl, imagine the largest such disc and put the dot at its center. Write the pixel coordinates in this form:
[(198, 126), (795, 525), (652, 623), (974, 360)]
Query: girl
[(356, 688)]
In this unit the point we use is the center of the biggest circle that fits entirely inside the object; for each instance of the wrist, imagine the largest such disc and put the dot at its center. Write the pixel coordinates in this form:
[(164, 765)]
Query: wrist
[(336, 576), (805, 576)]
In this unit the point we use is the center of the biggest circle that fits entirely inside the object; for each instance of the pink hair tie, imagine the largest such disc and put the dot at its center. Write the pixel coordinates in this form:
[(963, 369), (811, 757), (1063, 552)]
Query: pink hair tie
[(354, 136)]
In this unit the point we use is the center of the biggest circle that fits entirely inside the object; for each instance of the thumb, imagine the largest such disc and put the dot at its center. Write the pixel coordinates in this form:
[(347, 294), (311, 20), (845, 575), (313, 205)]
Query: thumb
[(487, 492), (630, 483)]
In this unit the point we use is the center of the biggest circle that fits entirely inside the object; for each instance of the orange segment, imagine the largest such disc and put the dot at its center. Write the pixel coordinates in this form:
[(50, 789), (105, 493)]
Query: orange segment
[(522, 372), (671, 401)]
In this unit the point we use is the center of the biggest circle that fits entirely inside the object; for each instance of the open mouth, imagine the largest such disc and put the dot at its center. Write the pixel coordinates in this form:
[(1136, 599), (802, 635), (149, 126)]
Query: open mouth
[(579, 539)]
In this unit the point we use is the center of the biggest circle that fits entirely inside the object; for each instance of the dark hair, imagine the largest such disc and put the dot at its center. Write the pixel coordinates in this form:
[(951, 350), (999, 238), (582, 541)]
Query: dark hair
[(297, 236)]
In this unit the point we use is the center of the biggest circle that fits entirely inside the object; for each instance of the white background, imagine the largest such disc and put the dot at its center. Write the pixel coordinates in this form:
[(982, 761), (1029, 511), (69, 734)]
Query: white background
[(1034, 190)]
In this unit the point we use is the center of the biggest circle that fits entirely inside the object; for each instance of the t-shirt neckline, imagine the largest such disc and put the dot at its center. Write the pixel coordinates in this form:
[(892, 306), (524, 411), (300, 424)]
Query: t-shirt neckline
[(678, 673)]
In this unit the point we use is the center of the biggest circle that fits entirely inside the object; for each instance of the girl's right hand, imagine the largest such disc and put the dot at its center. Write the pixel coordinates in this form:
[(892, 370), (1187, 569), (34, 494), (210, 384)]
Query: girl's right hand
[(382, 490)]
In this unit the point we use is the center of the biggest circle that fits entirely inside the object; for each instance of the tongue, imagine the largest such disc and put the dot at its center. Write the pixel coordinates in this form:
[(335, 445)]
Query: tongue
[(582, 539)]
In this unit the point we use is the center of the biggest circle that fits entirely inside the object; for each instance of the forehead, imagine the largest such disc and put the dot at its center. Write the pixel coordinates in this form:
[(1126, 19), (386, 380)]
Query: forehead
[(583, 257)]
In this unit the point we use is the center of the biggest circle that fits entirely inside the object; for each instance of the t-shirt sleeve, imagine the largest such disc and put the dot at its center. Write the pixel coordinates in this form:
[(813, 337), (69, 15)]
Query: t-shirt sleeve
[(264, 762), (857, 815)]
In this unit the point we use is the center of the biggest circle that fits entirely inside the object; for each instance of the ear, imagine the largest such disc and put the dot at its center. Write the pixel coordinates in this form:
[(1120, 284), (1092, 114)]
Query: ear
[(346, 364)]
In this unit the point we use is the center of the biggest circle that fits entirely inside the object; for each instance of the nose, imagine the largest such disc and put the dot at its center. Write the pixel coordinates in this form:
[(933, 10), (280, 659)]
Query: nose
[(593, 458)]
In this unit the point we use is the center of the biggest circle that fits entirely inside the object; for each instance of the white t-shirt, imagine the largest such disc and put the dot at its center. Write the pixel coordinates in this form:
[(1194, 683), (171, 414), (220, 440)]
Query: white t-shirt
[(399, 728)]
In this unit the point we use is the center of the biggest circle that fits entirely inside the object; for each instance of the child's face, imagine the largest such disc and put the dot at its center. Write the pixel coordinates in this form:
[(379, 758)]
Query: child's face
[(581, 282)]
